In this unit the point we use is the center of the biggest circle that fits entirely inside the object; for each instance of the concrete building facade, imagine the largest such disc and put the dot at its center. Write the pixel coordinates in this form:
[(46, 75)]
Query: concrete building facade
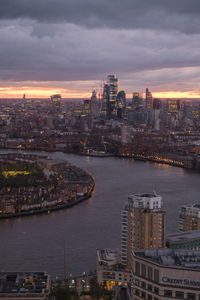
[(165, 274), (189, 217), (143, 225)]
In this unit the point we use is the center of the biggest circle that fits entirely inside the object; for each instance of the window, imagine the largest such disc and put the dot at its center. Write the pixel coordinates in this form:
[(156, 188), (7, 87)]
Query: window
[(180, 295), (191, 296), (143, 271), (149, 297), (156, 275), (137, 268), (137, 292), (108, 275), (137, 282), (167, 293), (143, 285), (155, 298), (143, 295), (149, 287), (156, 290), (150, 273)]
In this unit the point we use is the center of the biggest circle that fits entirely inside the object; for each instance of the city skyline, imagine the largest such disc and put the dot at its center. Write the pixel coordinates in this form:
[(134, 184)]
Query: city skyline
[(63, 47)]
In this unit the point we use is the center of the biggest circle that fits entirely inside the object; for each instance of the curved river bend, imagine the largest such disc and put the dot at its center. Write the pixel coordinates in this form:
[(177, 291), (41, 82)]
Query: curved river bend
[(37, 242)]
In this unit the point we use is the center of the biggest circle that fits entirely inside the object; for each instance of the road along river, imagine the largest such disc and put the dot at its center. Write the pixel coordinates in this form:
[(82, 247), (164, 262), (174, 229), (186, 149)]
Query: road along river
[(37, 242)]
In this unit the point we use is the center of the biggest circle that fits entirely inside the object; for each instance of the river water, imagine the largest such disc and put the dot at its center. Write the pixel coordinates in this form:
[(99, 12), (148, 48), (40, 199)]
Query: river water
[(37, 242)]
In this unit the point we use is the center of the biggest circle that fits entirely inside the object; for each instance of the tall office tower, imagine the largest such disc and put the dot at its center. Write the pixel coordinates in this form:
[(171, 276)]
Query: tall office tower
[(121, 104), (56, 103), (173, 107), (112, 81), (156, 109), (149, 100), (87, 106), (94, 104), (189, 217), (137, 101), (109, 97), (143, 225), (94, 96), (105, 101)]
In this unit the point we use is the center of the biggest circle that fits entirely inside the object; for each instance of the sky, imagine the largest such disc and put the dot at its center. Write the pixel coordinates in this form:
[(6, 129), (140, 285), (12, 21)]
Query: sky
[(70, 46)]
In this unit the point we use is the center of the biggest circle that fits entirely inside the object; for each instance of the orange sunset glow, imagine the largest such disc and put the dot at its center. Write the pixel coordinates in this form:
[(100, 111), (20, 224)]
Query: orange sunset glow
[(177, 94), (46, 92), (39, 92)]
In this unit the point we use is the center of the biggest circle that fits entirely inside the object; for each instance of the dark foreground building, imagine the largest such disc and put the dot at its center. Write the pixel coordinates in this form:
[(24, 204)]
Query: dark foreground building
[(24, 285)]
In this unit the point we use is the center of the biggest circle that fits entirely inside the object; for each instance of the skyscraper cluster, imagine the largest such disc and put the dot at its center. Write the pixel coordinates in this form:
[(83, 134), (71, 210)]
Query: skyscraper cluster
[(113, 102)]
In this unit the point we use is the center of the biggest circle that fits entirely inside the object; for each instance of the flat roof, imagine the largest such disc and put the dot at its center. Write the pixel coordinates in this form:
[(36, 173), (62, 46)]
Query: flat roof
[(183, 237), (145, 195), (172, 257), (108, 256), (33, 283)]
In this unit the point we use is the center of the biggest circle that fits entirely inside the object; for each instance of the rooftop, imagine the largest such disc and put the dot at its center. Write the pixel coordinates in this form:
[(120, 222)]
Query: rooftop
[(172, 258), (145, 195), (108, 257), (184, 237), (33, 283)]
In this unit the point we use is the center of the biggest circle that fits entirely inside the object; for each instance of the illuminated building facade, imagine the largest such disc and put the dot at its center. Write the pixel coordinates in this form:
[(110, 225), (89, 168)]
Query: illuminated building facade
[(173, 106), (25, 285), (143, 225), (137, 101), (110, 272), (56, 102), (149, 100), (87, 106), (105, 101), (121, 104), (109, 107), (189, 217)]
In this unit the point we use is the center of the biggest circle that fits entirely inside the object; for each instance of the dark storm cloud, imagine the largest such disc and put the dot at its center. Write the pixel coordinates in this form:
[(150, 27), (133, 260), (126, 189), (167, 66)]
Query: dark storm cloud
[(182, 15), (145, 41), (34, 51)]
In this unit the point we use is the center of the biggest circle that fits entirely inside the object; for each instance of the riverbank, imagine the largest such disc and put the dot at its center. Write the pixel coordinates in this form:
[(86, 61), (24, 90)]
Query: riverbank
[(94, 222), (58, 185), (187, 163), (165, 161), (69, 204)]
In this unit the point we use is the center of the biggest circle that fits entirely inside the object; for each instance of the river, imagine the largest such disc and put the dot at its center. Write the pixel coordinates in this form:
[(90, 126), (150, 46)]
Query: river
[(37, 242)]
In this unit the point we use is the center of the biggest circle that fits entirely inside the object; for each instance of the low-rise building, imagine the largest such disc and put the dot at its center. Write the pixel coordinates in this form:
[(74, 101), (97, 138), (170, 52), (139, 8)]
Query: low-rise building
[(24, 285), (110, 272)]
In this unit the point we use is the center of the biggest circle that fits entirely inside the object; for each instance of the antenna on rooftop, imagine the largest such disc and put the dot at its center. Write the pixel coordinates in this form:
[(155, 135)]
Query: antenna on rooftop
[(154, 192)]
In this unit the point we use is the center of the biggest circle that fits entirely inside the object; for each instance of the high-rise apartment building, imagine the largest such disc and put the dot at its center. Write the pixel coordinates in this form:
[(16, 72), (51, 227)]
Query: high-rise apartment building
[(189, 217), (143, 225)]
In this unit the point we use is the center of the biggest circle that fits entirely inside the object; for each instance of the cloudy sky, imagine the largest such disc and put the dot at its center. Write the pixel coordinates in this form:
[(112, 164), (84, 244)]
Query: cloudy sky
[(69, 46)]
